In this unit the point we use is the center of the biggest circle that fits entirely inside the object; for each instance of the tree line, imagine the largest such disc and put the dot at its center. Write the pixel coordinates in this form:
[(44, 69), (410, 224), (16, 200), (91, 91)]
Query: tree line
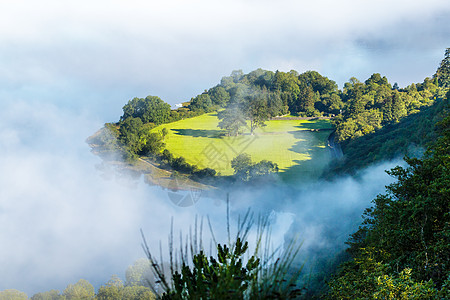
[(401, 249), (138, 279)]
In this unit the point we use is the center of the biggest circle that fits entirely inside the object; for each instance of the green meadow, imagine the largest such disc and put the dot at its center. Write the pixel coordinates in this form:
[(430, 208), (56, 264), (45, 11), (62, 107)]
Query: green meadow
[(297, 146)]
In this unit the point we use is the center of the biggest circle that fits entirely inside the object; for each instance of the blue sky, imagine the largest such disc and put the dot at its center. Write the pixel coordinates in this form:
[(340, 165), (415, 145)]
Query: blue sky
[(67, 67)]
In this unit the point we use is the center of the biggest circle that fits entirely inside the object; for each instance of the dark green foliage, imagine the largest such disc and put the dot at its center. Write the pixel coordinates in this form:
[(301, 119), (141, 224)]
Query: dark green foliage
[(179, 164), (129, 136), (245, 169), (137, 139), (402, 247), (151, 109), (307, 94), (223, 278), (231, 272), (374, 103), (318, 83), (201, 103), (241, 165), (443, 72), (389, 142), (204, 173), (219, 96)]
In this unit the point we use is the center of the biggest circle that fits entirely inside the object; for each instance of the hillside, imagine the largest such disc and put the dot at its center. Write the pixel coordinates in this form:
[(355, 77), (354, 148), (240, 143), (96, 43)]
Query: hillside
[(249, 126), (410, 136), (292, 144)]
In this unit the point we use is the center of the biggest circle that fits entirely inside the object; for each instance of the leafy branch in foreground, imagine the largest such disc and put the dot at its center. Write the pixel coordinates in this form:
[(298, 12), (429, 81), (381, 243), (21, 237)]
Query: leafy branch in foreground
[(232, 272)]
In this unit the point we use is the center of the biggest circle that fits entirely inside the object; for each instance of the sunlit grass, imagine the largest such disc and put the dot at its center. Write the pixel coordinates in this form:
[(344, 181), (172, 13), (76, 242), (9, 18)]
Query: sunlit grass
[(289, 143)]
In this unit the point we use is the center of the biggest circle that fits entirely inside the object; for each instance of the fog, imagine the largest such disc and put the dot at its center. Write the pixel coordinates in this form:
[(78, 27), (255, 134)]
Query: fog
[(63, 218), (66, 69)]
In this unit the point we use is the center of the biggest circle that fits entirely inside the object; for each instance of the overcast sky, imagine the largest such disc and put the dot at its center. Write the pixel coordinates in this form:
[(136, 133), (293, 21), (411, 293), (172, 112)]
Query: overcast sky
[(67, 67), (106, 52)]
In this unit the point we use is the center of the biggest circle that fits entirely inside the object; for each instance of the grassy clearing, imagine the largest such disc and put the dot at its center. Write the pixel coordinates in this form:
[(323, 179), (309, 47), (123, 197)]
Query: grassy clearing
[(295, 145)]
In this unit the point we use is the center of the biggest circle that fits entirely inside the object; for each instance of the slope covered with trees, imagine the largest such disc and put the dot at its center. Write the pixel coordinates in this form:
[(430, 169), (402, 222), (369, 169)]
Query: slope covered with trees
[(401, 251)]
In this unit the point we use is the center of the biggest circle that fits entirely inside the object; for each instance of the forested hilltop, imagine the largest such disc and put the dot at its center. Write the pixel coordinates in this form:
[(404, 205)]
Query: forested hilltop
[(372, 120)]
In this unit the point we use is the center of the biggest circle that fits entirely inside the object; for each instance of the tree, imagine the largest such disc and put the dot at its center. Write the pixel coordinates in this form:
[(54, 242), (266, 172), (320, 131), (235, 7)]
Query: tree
[(151, 109), (12, 294), (112, 289), (443, 72), (241, 165), (319, 83), (233, 272), (82, 290), (306, 99), (137, 293), (231, 120), (139, 273), (164, 132), (201, 102), (50, 295), (130, 130), (263, 168), (219, 96), (152, 142), (402, 247), (245, 169), (286, 82), (256, 111)]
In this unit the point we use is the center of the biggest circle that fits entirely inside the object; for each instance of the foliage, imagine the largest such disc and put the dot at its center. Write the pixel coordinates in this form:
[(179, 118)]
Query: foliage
[(151, 109), (114, 289), (366, 278), (168, 161), (49, 295), (374, 103), (224, 278), (219, 96), (443, 72), (137, 138), (407, 231), (233, 272), (202, 103), (80, 290), (408, 136), (245, 169), (138, 273), (231, 120), (12, 294), (256, 112)]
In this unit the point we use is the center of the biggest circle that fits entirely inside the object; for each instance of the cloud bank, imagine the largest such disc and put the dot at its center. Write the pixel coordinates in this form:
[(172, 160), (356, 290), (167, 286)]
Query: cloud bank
[(63, 219)]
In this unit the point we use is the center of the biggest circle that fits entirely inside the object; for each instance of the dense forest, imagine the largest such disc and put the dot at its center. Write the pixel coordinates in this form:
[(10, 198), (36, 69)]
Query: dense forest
[(401, 251)]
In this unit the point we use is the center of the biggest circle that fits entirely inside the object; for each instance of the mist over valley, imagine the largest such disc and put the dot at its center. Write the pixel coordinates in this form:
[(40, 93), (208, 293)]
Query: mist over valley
[(123, 121)]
